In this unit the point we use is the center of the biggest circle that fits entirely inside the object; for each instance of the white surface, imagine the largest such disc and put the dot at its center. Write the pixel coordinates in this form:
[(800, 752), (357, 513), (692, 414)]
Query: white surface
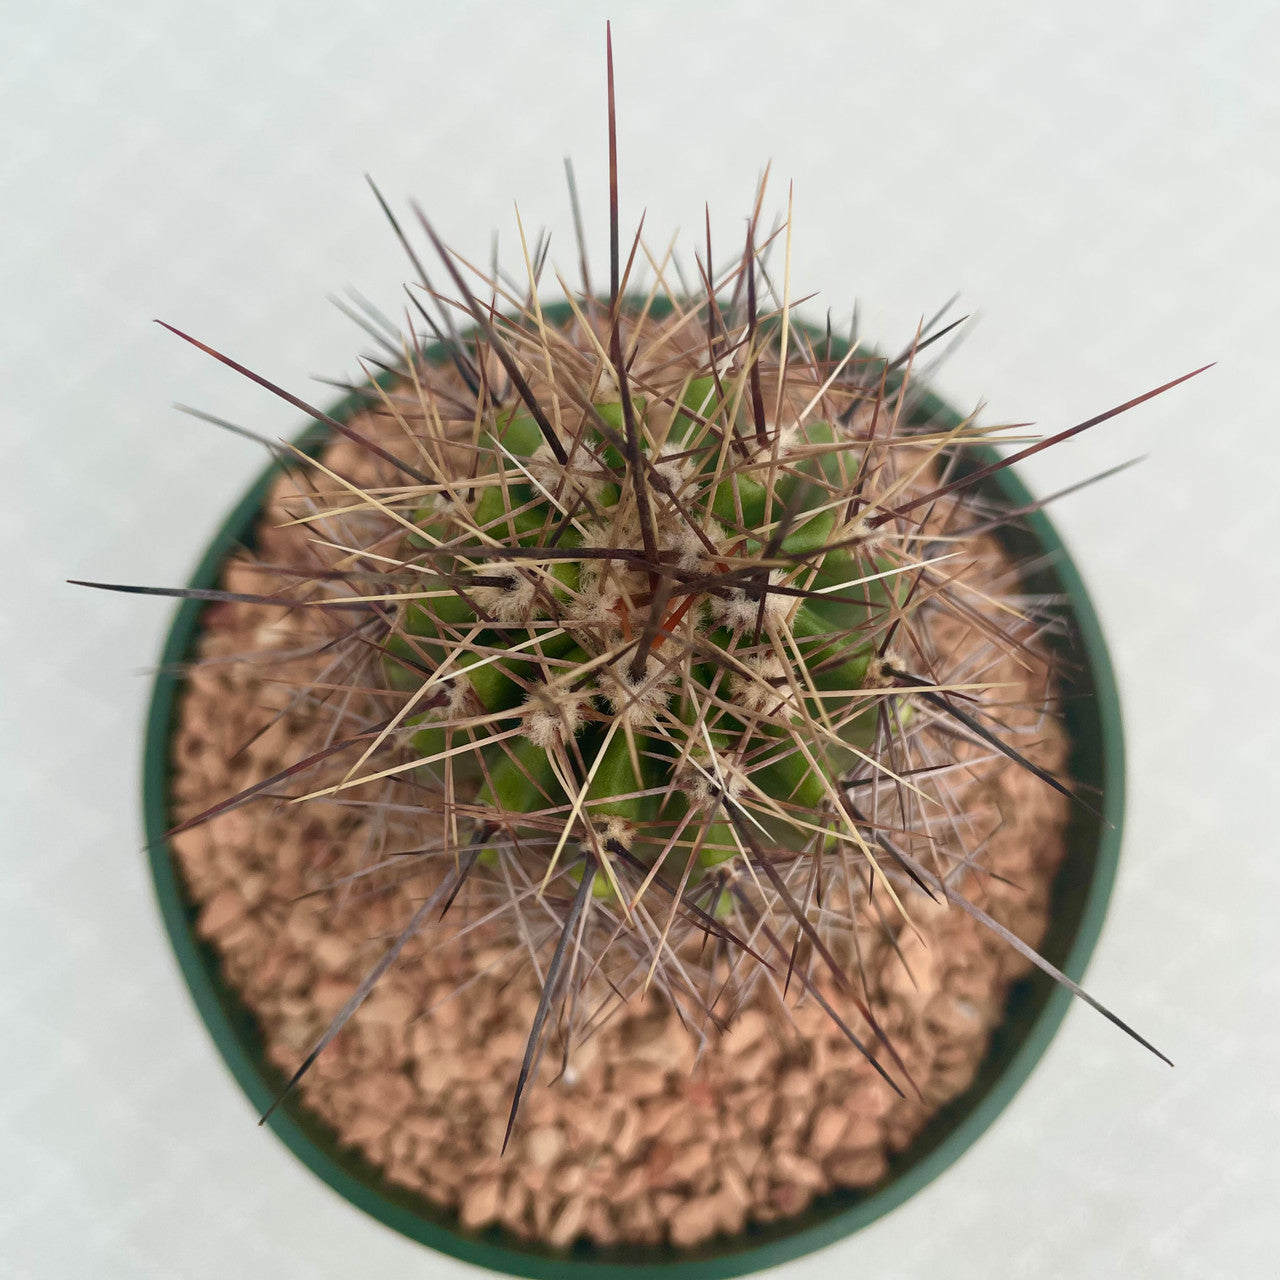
[(1100, 180)]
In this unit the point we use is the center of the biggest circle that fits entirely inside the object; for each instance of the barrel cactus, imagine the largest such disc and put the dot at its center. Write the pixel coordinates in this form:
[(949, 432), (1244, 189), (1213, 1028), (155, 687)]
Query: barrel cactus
[(651, 597), (656, 656)]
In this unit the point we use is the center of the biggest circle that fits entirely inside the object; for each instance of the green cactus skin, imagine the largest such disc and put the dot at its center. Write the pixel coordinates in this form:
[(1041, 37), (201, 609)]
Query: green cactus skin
[(637, 701)]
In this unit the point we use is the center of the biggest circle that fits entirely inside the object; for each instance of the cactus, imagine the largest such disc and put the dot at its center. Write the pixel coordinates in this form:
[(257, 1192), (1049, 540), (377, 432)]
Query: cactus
[(650, 683), (650, 602)]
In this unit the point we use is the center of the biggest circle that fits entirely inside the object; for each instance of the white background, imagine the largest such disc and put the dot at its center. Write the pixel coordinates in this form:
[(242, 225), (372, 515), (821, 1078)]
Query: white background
[(1100, 180)]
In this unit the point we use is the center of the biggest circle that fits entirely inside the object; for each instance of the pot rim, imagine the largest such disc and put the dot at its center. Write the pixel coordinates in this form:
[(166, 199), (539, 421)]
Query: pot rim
[(831, 1218)]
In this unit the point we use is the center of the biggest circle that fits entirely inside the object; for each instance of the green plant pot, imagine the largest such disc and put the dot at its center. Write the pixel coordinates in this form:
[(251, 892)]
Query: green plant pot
[(1035, 1008)]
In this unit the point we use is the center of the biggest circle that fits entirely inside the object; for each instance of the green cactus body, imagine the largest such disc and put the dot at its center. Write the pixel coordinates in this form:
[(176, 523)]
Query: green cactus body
[(651, 711)]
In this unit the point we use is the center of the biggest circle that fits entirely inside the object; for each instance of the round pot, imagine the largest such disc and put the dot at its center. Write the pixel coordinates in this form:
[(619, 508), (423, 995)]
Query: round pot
[(1035, 1007)]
